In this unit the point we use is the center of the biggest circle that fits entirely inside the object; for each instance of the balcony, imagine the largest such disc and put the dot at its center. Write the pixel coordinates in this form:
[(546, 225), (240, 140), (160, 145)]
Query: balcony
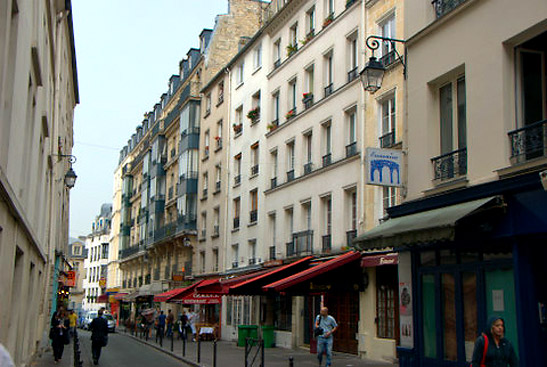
[(450, 165), (254, 170), (308, 168), (351, 149), (388, 59), (216, 231), (253, 215), (353, 74), (203, 234), (350, 235), (157, 274), (387, 140), (170, 193), (528, 142), (218, 143), (290, 249), (273, 125), (290, 175), (328, 90), (217, 187), (326, 247), (204, 193), (132, 250), (272, 252), (237, 180), (236, 222), (302, 243), (235, 264), (273, 183), (327, 159), (443, 7), (252, 261), (307, 100), (277, 63)]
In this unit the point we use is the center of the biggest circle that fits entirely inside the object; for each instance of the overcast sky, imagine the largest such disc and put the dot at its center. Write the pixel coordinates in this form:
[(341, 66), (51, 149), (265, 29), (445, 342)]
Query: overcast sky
[(126, 50)]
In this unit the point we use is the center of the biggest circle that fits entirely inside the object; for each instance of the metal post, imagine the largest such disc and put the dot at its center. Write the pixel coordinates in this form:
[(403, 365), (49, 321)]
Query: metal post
[(291, 361), (215, 353), (246, 351), (262, 353), (172, 339), (184, 345), (199, 348)]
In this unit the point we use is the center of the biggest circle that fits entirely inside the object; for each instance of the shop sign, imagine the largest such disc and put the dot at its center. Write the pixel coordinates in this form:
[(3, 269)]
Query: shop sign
[(70, 279), (384, 167), (378, 260), (102, 282), (272, 263), (112, 290), (202, 299)]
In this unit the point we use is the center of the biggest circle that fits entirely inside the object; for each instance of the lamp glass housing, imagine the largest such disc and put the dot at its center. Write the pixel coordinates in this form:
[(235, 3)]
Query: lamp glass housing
[(70, 178), (372, 75)]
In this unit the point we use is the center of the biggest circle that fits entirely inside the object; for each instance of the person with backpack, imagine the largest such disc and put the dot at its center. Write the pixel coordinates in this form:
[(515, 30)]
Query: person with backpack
[(325, 326), (99, 335), (492, 349)]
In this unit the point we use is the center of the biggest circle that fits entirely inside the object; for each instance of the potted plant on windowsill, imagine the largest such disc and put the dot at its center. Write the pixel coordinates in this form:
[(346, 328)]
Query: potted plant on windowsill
[(328, 20), (254, 114), (272, 127), (291, 49), (237, 127), (289, 115), (308, 38)]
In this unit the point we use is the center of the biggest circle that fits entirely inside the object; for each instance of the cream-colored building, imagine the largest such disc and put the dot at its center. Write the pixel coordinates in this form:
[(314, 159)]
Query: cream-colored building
[(76, 257), (98, 250), (38, 93)]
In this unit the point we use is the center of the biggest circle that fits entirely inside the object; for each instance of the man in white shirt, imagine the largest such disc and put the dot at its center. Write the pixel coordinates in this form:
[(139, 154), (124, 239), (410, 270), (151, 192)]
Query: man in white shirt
[(328, 326)]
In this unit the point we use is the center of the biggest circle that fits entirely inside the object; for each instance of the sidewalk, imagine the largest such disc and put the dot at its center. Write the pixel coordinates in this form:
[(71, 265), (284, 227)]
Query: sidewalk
[(228, 354), (45, 358)]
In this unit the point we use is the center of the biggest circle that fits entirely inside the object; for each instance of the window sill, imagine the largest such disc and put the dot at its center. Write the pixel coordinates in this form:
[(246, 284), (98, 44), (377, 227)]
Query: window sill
[(253, 176), (239, 85), (252, 224), (238, 134), (235, 230), (447, 185), (257, 69)]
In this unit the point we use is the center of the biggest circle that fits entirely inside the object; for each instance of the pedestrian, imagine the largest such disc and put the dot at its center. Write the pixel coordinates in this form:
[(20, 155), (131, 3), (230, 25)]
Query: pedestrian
[(325, 326), (99, 335), (72, 319), (492, 349), (192, 316), (161, 326), (58, 333), (5, 358), (170, 322), (183, 328)]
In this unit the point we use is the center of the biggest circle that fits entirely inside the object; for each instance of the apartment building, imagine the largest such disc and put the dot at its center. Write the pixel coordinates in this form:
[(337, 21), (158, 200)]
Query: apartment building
[(476, 110), (38, 93), (76, 257), (97, 247)]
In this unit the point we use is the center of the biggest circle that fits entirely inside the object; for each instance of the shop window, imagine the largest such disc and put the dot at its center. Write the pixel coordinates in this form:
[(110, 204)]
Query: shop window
[(283, 313), (387, 302)]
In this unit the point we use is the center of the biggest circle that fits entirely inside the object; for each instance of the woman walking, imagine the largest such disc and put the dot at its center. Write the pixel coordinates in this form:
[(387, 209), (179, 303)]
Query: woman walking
[(59, 333), (492, 349)]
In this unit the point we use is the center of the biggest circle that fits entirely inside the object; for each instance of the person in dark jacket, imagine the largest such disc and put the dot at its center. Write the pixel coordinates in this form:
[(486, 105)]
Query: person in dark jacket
[(59, 333), (500, 352), (99, 335)]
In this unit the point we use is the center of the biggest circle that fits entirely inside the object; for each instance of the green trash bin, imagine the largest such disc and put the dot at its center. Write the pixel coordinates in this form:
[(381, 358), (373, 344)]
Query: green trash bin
[(268, 336), (242, 334)]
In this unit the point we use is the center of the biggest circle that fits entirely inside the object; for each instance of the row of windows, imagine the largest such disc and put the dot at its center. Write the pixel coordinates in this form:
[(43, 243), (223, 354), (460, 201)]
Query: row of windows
[(98, 252)]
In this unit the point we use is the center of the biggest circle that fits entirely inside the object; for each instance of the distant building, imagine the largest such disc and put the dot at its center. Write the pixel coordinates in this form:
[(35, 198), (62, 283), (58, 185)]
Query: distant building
[(97, 246), (76, 256)]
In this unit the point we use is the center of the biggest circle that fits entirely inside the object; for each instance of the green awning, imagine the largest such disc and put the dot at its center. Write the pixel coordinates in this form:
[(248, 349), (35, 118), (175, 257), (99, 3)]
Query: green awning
[(425, 227)]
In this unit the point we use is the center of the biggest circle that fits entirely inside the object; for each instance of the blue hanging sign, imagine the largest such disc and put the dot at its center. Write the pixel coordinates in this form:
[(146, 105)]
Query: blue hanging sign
[(384, 167)]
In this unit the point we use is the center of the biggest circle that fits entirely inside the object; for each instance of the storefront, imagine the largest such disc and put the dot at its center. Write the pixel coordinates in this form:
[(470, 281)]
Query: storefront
[(463, 257)]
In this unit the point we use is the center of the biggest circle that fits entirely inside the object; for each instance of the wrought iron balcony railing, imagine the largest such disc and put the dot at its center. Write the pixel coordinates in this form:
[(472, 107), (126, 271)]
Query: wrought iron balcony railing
[(236, 222), (237, 180), (389, 58), (254, 170), (529, 142), (351, 149), (450, 165), (253, 216), (387, 140), (273, 183), (350, 235), (353, 74), (328, 90), (327, 159), (443, 7), (326, 244), (308, 168), (290, 175)]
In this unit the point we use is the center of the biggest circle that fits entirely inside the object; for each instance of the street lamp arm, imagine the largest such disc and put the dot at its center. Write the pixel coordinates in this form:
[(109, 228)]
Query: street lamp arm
[(373, 44), (71, 158)]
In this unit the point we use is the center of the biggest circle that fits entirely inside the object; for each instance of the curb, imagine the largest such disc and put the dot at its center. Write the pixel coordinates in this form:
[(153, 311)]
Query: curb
[(172, 354)]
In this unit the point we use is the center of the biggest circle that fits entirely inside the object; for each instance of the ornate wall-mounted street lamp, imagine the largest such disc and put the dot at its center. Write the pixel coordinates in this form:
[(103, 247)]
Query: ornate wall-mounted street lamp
[(70, 175), (373, 73)]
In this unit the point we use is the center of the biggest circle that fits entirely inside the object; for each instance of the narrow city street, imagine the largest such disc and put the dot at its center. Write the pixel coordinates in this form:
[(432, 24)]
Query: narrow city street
[(125, 352)]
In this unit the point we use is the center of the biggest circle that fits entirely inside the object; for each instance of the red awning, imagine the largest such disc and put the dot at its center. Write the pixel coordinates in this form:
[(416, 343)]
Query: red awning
[(119, 296), (378, 260), (221, 286), (313, 272), (181, 292), (103, 298), (253, 286), (166, 296), (201, 299)]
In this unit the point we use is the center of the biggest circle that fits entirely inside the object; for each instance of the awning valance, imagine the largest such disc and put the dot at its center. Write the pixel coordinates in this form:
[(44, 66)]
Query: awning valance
[(201, 299), (314, 272), (429, 226), (183, 292), (378, 260), (119, 296), (103, 298), (166, 296)]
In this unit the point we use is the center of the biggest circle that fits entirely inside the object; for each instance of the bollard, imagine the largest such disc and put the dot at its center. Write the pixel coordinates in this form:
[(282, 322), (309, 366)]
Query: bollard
[(291, 361), (261, 353), (199, 349), (172, 341), (184, 346), (215, 353)]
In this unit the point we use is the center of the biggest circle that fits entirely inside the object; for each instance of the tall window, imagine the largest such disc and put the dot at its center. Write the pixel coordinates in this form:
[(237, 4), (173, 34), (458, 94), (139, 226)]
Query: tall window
[(239, 75), (387, 137), (203, 224), (207, 104), (277, 52), (235, 255), (310, 22), (205, 183), (237, 212), (387, 28), (218, 178), (257, 56), (202, 261), (237, 169), (329, 7), (328, 215), (253, 195), (238, 124), (275, 105), (290, 156), (353, 57), (274, 161), (309, 79), (294, 35), (289, 214), (206, 140), (453, 115), (307, 214), (328, 61), (309, 147), (292, 94), (220, 92), (352, 126), (254, 159), (216, 221), (353, 210), (215, 259), (389, 198)]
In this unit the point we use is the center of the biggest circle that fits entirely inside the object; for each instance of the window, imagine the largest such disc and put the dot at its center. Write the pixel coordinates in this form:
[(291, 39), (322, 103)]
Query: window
[(389, 198), (274, 166), (387, 28), (239, 75), (283, 313), (257, 56), (206, 139), (253, 196), (205, 184), (387, 301), (252, 252), (308, 166), (351, 117), (327, 144), (273, 230), (277, 53), (310, 23), (237, 210), (309, 80), (289, 215), (353, 210), (105, 251), (293, 32), (202, 261), (328, 215), (353, 57), (307, 214), (254, 159), (290, 161), (215, 259), (237, 169), (452, 163), (207, 104), (275, 105), (238, 124), (256, 107), (220, 92), (235, 255), (387, 138), (328, 73), (216, 221), (218, 178), (218, 137), (329, 7), (77, 250), (292, 96)]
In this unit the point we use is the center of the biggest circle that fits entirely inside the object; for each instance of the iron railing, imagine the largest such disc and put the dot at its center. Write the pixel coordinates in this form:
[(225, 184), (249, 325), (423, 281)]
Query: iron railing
[(443, 7), (450, 165), (302, 242), (308, 100), (236, 222), (308, 168), (353, 74), (350, 235), (351, 149), (273, 183), (389, 58), (237, 180), (253, 216), (290, 175), (254, 170), (529, 142), (387, 140), (327, 159), (326, 244), (328, 90)]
